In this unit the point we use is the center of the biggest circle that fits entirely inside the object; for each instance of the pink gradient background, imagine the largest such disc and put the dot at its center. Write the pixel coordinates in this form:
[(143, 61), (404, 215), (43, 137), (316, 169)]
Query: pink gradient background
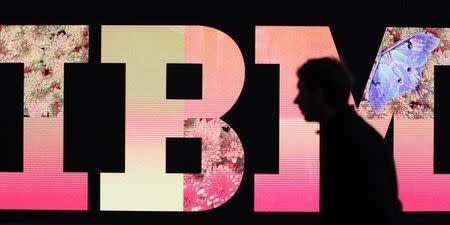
[(150, 117), (296, 187), (222, 83), (43, 185), (420, 189), (223, 71)]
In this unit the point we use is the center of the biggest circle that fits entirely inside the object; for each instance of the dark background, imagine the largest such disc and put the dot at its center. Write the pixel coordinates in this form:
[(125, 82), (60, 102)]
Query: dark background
[(357, 28)]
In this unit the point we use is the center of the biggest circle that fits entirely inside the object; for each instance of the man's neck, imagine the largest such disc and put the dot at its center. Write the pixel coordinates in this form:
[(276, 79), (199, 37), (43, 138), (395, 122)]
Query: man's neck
[(327, 114)]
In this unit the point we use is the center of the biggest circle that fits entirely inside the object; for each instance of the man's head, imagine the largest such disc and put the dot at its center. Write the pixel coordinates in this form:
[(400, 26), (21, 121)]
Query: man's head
[(324, 86)]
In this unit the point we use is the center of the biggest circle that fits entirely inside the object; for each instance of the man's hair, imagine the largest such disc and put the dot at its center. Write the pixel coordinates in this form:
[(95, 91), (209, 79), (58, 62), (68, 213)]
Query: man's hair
[(330, 75)]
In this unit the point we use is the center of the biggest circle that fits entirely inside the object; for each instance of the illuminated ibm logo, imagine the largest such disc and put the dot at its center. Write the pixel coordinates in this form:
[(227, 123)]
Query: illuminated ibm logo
[(156, 116)]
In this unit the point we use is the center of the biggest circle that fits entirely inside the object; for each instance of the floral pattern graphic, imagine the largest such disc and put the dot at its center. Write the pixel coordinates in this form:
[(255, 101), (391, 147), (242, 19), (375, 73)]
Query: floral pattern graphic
[(410, 105), (43, 50), (222, 165)]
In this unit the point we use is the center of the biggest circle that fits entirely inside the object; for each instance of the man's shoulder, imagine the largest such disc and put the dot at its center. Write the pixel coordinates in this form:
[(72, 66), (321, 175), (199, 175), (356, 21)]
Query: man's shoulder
[(354, 128)]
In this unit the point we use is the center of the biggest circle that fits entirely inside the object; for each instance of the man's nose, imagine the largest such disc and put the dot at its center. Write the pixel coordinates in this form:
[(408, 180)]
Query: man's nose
[(297, 100)]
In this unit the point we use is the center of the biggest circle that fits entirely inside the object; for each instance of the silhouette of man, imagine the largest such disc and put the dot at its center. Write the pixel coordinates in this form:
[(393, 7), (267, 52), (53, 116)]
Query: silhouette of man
[(358, 181)]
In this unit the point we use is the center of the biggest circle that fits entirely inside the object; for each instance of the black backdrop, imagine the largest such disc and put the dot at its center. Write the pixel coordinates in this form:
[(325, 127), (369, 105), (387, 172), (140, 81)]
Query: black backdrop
[(357, 29)]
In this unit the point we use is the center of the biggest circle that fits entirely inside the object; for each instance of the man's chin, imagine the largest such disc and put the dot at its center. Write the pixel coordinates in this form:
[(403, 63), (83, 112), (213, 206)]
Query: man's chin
[(309, 118)]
